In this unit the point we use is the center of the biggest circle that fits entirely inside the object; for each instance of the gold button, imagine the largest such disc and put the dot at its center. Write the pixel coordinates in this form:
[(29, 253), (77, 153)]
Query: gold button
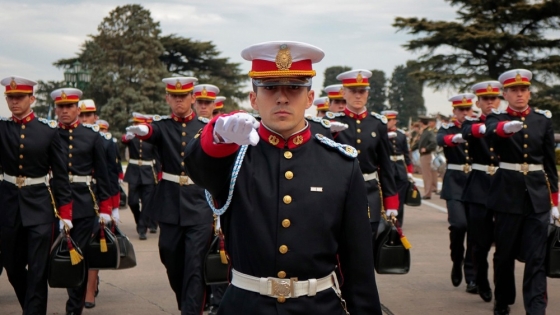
[(287, 199), (70, 131), (283, 249), (21, 156), (525, 126), (358, 141), (281, 274), (526, 136), (21, 146), (288, 155), (140, 150), (70, 147), (69, 164), (286, 223), (466, 151), (182, 153), (525, 155), (20, 167), (22, 126), (289, 175), (491, 157), (281, 299), (22, 136), (358, 130), (466, 144), (183, 143), (491, 149), (359, 151), (182, 163), (183, 134), (184, 125), (182, 173), (71, 138), (70, 155), (522, 118), (358, 122), (525, 146)]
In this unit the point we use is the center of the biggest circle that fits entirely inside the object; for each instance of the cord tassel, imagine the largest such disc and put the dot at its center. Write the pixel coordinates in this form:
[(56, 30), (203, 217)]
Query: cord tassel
[(75, 257), (102, 240)]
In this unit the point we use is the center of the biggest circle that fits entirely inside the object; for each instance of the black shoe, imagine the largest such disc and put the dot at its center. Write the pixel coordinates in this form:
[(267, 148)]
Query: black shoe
[(142, 236), (89, 305), (486, 295), (153, 231), (472, 288), (426, 197), (501, 310), (456, 274)]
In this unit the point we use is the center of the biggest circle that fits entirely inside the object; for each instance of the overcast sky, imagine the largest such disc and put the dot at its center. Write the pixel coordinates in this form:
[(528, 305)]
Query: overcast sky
[(355, 33)]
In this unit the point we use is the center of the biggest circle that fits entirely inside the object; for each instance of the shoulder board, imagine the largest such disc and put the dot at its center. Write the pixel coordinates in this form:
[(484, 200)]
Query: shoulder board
[(324, 122), (92, 127), (204, 119), (4, 118), (472, 118), (50, 123), (498, 112), (331, 115), (445, 126), (107, 135), (380, 117), (159, 117), (546, 113), (344, 149), (401, 131), (115, 140)]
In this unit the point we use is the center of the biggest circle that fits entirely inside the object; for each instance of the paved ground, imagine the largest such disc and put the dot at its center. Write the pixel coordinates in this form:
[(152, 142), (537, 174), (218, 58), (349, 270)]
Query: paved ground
[(426, 289)]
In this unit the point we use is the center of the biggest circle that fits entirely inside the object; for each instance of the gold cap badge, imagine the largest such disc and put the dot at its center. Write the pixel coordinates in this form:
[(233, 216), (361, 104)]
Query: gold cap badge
[(359, 78), (465, 101), (13, 84), (63, 95), (489, 88), (178, 85), (327, 102), (518, 78), (284, 58), (204, 92), (83, 106)]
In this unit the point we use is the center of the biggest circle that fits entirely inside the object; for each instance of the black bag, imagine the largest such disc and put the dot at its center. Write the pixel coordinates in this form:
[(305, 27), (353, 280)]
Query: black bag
[(553, 252), (62, 274), (123, 200), (215, 272), (103, 260), (413, 197), (391, 257), (128, 257)]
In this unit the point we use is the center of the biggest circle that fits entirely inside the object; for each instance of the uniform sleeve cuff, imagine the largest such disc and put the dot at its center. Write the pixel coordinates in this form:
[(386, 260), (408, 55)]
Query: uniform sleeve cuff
[(148, 135), (500, 130), (475, 129), (391, 202), (216, 150), (554, 198), (123, 139), (121, 175), (106, 206), (116, 200), (449, 141), (410, 168), (65, 211)]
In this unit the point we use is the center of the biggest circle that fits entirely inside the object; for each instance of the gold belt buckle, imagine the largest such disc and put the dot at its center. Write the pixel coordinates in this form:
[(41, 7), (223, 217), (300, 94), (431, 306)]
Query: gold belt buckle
[(491, 169), (20, 181), (525, 168), (283, 288), (466, 168), (139, 162), (183, 180)]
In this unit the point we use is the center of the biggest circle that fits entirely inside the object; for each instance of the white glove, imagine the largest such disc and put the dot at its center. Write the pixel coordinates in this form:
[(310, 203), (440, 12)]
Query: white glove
[(338, 126), (513, 126), (458, 138), (554, 215), (391, 212), (129, 135), (116, 216), (61, 224), (410, 177), (392, 134), (140, 130), (238, 128), (482, 129), (105, 217), (121, 181)]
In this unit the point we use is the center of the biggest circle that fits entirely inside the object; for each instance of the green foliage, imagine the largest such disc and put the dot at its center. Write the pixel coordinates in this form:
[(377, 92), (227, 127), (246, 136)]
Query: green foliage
[(378, 91), (330, 76), (43, 106), (405, 93), (548, 98), (557, 152)]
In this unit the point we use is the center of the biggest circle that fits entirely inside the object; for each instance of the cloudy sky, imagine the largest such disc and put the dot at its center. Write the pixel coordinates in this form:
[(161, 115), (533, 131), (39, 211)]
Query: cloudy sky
[(355, 33)]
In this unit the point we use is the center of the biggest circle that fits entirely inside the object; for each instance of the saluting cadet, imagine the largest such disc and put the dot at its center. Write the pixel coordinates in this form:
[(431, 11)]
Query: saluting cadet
[(484, 164), (218, 105), (86, 160), (368, 133), (523, 193), (141, 175), (455, 149), (337, 103), (30, 148), (184, 217), (205, 95), (290, 219), (400, 156), (322, 104)]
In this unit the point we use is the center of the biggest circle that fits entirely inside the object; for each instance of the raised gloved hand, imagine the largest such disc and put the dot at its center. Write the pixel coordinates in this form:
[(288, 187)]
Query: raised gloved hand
[(129, 135), (61, 224), (554, 215), (482, 129), (513, 126), (458, 138), (392, 134), (105, 217), (410, 177), (140, 130), (391, 212), (116, 216), (238, 128), (338, 126)]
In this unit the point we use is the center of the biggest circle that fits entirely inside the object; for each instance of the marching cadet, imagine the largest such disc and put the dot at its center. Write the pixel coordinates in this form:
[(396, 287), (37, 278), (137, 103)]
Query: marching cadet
[(141, 176), (400, 156), (205, 95), (30, 148), (86, 160), (322, 104), (218, 105), (484, 164), (337, 103), (455, 149), (288, 227), (184, 217), (368, 133), (523, 193)]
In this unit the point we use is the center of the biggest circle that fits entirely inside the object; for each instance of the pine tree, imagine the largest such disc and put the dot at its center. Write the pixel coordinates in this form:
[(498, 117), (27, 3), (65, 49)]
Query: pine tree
[(405, 94)]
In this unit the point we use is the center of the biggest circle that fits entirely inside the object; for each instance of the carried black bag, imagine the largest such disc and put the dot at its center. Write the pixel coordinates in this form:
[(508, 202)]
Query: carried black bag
[(122, 203), (413, 197), (553, 252), (391, 256), (66, 266), (215, 271), (103, 250), (128, 257)]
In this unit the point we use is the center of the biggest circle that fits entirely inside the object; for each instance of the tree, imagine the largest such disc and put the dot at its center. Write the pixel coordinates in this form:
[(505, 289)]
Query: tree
[(405, 93), (330, 76), (488, 38), (187, 57), (43, 106), (378, 91), (548, 98)]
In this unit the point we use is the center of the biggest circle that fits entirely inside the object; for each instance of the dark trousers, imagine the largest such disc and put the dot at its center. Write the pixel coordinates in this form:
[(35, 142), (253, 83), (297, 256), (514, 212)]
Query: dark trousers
[(526, 232), (481, 229), (218, 291), (137, 194), (81, 234), (402, 187), (26, 255), (457, 216), (182, 250)]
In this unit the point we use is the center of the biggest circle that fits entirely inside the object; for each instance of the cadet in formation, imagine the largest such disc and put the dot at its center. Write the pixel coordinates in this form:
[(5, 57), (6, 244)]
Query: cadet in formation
[(337, 103)]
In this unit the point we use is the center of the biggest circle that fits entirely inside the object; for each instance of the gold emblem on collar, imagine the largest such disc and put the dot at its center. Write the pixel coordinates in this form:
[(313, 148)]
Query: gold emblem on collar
[(272, 139), (13, 84), (359, 78), (178, 85), (298, 140), (284, 58)]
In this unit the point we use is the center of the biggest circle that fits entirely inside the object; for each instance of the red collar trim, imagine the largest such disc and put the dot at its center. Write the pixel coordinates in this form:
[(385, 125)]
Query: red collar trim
[(25, 119), (515, 113), (457, 123), (296, 140), (70, 126), (353, 115), (482, 117), (186, 119)]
